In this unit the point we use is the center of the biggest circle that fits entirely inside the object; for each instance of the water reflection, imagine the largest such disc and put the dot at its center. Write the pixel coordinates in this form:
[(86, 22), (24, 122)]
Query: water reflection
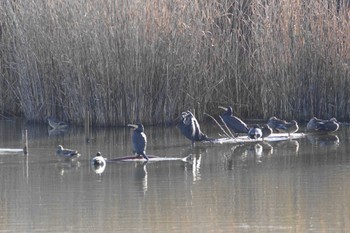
[(98, 168), (289, 145), (65, 167), (323, 140), (140, 175), (295, 185), (57, 132)]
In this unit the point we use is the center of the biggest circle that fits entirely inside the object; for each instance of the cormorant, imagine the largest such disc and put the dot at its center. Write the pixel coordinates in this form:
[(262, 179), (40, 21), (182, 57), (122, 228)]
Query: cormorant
[(233, 123), (190, 128), (266, 131), (139, 140)]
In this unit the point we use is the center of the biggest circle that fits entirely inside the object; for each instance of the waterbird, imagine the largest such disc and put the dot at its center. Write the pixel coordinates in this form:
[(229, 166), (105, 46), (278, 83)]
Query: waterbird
[(56, 124), (316, 125), (98, 163), (98, 160), (255, 132), (190, 128), (139, 140), (282, 126), (233, 123), (67, 153), (266, 131)]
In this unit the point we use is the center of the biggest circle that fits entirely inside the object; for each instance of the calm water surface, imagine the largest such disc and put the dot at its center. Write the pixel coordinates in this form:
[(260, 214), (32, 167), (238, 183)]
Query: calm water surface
[(292, 186)]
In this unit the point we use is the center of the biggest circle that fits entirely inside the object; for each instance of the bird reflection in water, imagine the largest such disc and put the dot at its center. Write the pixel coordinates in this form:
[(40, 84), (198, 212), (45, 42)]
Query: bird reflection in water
[(287, 146), (140, 175), (195, 164), (57, 132), (248, 153), (66, 167), (323, 139)]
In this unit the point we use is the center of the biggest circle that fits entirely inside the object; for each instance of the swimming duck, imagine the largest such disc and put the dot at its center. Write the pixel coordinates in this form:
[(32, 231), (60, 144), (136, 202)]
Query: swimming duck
[(316, 125), (282, 126), (67, 153), (233, 123), (98, 160), (98, 163), (255, 132)]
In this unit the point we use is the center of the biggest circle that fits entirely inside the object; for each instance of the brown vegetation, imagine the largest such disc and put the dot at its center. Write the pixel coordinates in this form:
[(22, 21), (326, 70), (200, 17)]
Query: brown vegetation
[(149, 60)]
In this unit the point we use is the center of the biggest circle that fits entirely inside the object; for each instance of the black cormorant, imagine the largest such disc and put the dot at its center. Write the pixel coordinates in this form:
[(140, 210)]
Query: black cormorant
[(266, 131), (139, 140), (233, 123), (190, 128)]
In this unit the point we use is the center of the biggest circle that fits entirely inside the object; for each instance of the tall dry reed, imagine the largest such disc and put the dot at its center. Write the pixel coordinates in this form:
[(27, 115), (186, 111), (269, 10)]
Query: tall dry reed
[(128, 61)]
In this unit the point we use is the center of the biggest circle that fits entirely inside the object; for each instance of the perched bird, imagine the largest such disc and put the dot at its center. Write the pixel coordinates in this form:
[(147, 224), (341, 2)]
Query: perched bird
[(316, 125), (56, 124), (266, 131), (139, 140), (190, 128), (282, 126), (67, 153), (255, 132), (233, 123), (98, 163)]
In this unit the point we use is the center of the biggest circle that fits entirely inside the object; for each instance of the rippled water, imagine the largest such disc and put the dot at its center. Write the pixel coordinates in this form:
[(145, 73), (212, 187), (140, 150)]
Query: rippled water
[(291, 186)]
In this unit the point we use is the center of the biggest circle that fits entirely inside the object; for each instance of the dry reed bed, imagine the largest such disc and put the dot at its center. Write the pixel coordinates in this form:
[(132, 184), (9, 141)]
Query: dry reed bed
[(128, 61)]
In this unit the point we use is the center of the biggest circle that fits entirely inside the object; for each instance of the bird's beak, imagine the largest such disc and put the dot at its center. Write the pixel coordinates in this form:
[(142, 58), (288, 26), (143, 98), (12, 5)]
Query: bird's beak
[(133, 126), (224, 108)]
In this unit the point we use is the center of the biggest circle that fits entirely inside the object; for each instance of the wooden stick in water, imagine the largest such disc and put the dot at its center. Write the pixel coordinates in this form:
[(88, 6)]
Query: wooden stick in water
[(25, 141)]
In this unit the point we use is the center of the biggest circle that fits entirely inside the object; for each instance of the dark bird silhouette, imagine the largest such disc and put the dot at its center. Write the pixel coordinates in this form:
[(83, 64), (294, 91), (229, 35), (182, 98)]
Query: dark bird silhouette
[(139, 140), (233, 123), (190, 128), (282, 126), (255, 132), (266, 131), (316, 125)]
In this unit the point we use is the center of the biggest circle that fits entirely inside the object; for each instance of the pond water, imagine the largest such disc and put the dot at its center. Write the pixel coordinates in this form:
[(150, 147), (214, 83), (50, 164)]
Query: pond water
[(290, 186)]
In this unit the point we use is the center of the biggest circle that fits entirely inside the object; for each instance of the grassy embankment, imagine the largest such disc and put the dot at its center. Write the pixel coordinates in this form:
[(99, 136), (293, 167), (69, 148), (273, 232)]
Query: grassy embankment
[(128, 61)]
